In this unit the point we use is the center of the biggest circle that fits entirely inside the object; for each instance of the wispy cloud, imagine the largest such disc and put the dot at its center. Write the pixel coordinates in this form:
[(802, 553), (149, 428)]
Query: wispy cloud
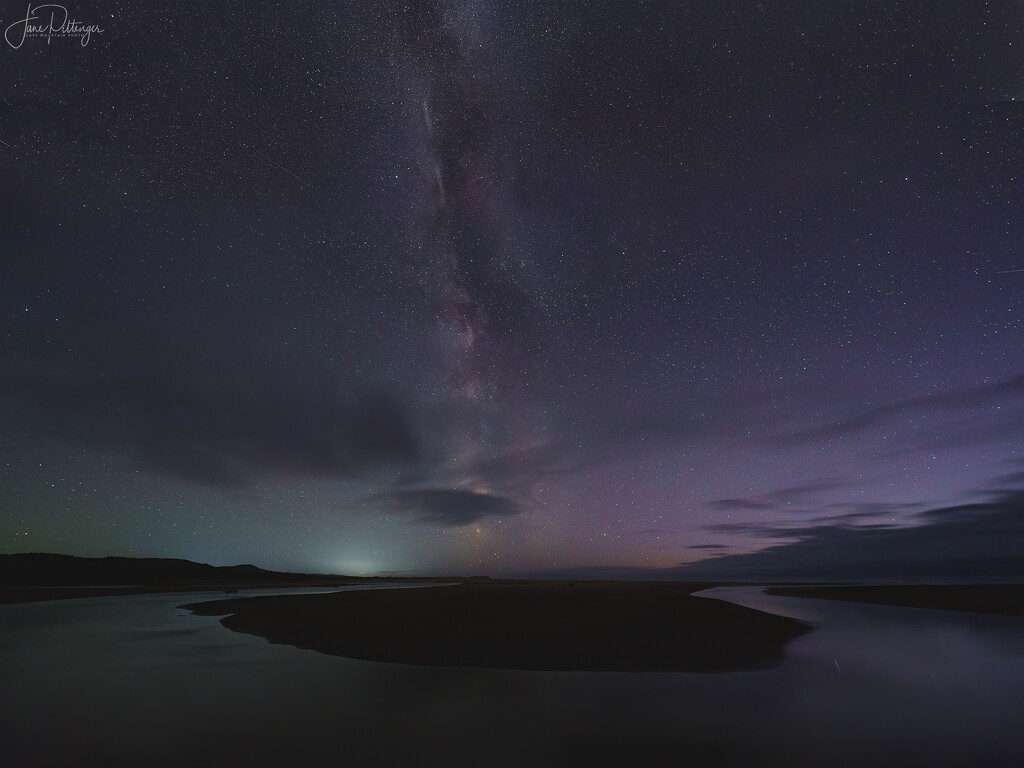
[(984, 539), (444, 507), (220, 418), (792, 494), (953, 400), (652, 532)]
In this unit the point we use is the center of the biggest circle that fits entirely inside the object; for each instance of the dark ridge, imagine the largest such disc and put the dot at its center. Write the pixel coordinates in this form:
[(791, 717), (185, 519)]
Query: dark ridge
[(33, 577), (587, 626), (1002, 599), (38, 569)]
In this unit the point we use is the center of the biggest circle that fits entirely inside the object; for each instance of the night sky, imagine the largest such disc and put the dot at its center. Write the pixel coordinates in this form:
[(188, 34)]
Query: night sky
[(525, 287)]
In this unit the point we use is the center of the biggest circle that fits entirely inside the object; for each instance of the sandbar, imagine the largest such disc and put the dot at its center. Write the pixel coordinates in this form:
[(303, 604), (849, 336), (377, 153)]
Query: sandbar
[(536, 625)]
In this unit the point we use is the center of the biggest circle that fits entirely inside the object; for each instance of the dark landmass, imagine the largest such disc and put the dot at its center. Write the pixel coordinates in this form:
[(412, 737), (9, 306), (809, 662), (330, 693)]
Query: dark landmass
[(36, 576), (1003, 599), (583, 626), (38, 569)]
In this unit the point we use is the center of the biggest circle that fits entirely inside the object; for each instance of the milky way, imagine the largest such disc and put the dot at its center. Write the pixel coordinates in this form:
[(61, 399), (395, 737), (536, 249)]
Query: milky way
[(453, 286), (459, 227)]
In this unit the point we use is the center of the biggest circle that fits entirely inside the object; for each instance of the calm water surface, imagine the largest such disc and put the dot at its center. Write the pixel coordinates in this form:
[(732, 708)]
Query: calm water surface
[(134, 680)]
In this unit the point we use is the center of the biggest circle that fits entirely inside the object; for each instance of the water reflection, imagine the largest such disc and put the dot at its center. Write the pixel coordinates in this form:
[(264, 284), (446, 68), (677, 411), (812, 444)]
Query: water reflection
[(134, 680)]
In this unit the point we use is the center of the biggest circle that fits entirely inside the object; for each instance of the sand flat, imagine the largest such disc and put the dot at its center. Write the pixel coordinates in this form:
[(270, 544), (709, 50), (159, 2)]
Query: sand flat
[(570, 626)]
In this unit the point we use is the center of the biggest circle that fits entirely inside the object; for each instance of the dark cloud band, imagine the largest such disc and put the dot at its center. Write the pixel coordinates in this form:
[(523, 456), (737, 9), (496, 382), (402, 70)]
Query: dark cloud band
[(445, 507)]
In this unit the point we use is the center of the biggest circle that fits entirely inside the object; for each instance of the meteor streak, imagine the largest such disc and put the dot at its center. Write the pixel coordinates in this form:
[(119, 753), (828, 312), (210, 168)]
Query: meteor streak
[(299, 179)]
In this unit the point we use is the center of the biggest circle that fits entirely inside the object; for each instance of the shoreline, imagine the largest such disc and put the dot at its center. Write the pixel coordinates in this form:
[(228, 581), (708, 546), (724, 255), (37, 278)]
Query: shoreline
[(19, 595), (994, 599)]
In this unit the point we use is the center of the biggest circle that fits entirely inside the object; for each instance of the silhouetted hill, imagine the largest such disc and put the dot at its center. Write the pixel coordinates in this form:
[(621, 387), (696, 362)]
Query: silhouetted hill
[(41, 570)]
